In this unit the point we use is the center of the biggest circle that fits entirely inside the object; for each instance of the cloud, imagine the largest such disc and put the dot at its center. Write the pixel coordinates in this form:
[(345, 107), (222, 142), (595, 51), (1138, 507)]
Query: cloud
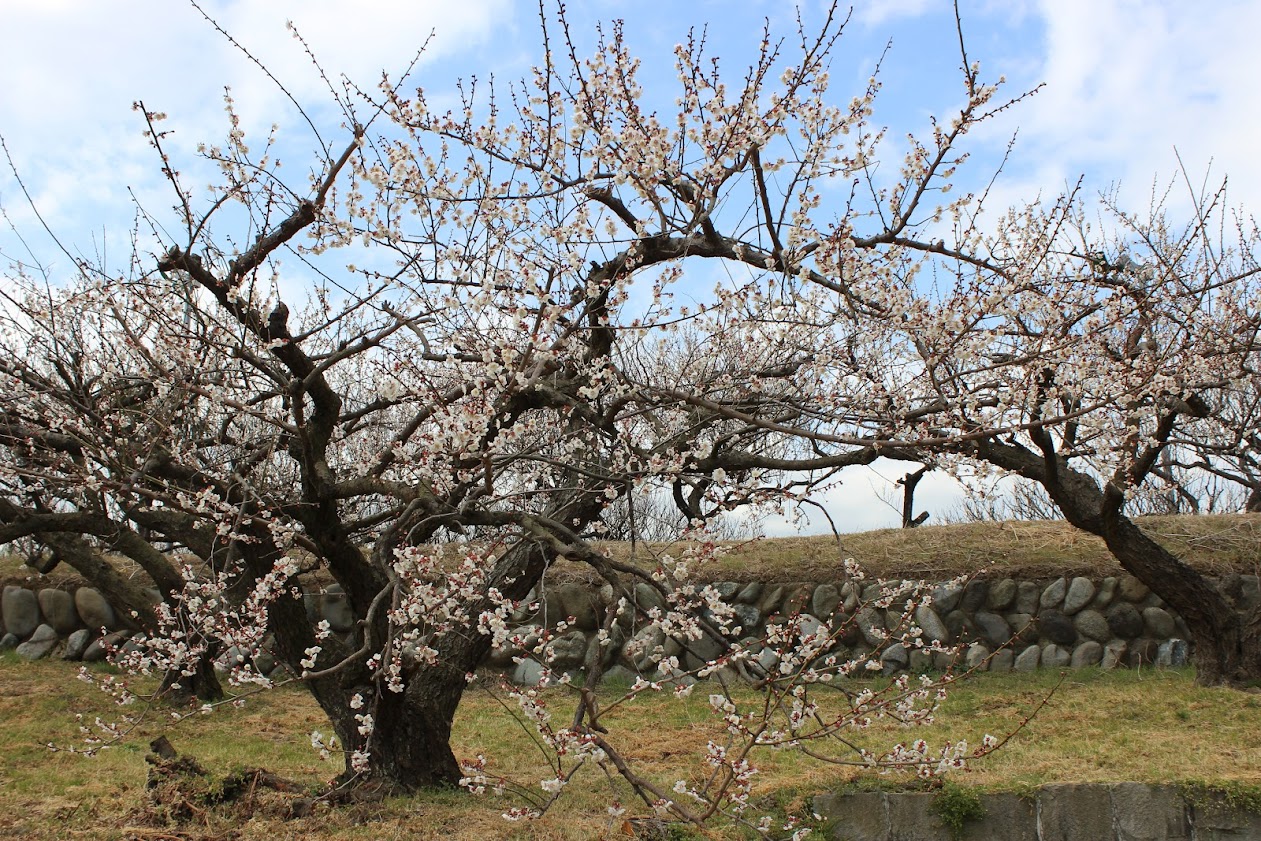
[(1129, 82), (73, 68)]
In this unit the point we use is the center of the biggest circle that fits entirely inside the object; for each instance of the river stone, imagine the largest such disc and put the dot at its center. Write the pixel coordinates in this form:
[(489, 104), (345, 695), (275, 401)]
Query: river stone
[(944, 661), (41, 643), (99, 648), (930, 623), (1003, 660), (58, 609), (527, 673), (579, 602), (850, 597), (766, 660), (1002, 594), (1107, 592), (265, 662), (76, 644), (1057, 627), (21, 611), (95, 612), (1055, 656), (961, 627), (976, 656), (567, 650), (1092, 625), (1131, 589), (1024, 626), (646, 598), (1089, 653), (807, 625), (994, 628), (772, 598), (727, 590), (871, 626), (747, 616), (749, 593), (9, 642), (609, 651), (1114, 654), (920, 661), (797, 600), (894, 658), (1053, 595), (1159, 624), (1028, 595), (825, 601), (946, 599), (335, 609), (1079, 594), (1125, 620), (618, 676), (975, 593), (641, 650)]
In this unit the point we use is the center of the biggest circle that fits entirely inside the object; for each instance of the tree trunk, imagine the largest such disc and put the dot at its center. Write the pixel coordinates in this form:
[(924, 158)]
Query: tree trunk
[(1227, 641), (411, 742)]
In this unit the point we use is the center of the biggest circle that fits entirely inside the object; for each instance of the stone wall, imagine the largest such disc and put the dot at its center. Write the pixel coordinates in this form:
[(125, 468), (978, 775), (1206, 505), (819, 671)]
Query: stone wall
[(1000, 624), (1062, 812)]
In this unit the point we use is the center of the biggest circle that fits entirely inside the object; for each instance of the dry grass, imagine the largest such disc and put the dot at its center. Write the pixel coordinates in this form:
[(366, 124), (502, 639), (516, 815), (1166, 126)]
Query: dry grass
[(1214, 543), (1149, 726)]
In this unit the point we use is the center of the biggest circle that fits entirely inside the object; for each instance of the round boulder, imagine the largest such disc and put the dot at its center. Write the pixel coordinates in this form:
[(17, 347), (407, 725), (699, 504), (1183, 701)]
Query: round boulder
[(1055, 656), (1001, 596), (1079, 594), (1053, 595), (21, 611), (1125, 620), (1092, 625), (1089, 653), (1057, 628), (1159, 623), (58, 609), (825, 600), (994, 628), (40, 645), (95, 612), (76, 644)]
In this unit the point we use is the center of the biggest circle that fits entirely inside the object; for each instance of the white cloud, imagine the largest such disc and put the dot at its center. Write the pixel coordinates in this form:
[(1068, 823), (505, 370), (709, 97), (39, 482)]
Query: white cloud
[(1127, 82)]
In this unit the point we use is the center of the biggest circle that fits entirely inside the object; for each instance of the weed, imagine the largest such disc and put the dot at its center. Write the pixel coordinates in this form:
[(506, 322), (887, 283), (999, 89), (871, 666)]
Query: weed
[(956, 805)]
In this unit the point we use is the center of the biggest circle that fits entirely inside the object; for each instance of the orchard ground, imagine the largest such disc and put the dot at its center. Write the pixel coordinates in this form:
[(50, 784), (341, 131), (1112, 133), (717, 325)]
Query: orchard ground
[(1147, 726)]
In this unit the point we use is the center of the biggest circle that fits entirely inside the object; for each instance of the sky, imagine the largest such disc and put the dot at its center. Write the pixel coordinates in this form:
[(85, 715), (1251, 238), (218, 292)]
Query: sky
[(1133, 91)]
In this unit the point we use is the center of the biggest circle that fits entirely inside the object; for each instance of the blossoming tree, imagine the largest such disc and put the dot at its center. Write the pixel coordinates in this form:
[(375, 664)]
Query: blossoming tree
[(521, 343)]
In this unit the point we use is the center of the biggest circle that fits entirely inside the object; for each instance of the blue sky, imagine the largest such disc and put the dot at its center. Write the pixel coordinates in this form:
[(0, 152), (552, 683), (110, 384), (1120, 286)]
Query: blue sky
[(1127, 82)]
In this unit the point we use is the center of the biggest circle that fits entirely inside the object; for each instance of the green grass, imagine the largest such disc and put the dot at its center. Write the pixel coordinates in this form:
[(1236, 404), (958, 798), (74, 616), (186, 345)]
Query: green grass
[(1098, 727)]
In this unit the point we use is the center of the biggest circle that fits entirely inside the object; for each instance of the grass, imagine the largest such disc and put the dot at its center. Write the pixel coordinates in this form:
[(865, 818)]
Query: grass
[(1098, 727)]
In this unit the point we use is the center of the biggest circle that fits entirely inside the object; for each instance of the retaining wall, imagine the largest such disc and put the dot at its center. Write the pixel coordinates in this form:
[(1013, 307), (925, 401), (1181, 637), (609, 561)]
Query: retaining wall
[(1062, 812), (1001, 625)]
